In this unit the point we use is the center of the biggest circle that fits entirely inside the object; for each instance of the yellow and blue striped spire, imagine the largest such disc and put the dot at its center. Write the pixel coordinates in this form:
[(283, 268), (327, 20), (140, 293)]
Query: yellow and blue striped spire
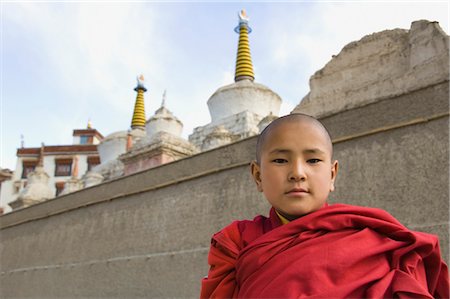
[(139, 109), (244, 66)]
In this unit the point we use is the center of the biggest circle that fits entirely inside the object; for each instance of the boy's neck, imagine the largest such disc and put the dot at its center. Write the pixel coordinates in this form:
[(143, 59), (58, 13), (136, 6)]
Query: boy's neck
[(283, 219)]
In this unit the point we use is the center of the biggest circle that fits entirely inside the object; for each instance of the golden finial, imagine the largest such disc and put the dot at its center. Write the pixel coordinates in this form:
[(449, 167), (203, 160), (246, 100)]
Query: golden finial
[(140, 83), (243, 15)]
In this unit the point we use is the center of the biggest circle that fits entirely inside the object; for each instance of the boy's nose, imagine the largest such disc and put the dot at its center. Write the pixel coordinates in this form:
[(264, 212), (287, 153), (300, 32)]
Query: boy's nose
[(297, 173)]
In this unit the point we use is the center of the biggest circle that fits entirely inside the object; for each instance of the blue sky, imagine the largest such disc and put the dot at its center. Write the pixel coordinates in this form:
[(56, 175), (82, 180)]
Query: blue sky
[(63, 63)]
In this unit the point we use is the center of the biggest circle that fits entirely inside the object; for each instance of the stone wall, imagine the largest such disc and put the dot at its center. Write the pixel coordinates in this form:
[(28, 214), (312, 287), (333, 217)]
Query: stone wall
[(147, 235)]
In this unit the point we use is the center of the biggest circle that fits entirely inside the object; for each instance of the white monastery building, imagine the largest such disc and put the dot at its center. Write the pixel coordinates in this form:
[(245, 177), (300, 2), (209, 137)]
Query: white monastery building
[(57, 164)]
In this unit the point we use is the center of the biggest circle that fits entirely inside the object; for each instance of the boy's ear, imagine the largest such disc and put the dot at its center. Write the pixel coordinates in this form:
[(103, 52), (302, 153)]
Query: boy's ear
[(256, 174), (334, 172)]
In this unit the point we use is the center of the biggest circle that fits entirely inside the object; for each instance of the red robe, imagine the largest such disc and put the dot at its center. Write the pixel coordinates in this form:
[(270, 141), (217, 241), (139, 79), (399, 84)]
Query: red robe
[(339, 251)]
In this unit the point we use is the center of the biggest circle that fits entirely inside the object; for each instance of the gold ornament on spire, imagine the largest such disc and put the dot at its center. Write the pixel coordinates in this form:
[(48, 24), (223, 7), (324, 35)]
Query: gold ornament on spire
[(244, 66), (138, 120)]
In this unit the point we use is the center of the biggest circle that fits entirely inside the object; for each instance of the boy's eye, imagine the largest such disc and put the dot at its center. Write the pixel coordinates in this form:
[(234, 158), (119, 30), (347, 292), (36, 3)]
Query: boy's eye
[(279, 161), (314, 161)]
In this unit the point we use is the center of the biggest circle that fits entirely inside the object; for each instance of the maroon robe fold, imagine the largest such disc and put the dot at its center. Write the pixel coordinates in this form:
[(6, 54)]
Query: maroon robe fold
[(339, 251)]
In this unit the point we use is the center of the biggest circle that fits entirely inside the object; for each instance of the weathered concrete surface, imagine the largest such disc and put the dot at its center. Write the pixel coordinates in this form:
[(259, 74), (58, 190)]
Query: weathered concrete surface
[(379, 66), (147, 235)]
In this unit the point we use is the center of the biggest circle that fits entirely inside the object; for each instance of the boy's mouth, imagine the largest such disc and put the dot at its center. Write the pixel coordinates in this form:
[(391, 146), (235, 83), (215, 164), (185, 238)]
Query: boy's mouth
[(297, 191)]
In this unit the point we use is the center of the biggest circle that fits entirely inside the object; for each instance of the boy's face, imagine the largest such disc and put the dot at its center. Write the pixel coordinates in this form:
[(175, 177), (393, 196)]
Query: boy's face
[(296, 173)]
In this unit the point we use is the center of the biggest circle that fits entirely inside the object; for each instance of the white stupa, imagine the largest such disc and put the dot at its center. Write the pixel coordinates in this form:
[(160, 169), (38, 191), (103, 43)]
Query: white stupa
[(37, 189), (163, 143), (115, 144), (163, 121), (238, 108)]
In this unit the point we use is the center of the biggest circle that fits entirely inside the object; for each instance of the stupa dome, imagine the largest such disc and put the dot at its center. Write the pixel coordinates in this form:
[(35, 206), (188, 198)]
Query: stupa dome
[(112, 146), (163, 121), (243, 95), (115, 144)]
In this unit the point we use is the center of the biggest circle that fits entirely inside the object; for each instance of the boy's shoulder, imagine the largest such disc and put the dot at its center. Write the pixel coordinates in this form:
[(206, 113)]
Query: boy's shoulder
[(240, 233)]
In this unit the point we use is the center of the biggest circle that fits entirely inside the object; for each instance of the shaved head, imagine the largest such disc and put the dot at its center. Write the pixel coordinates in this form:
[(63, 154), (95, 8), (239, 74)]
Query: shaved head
[(290, 118)]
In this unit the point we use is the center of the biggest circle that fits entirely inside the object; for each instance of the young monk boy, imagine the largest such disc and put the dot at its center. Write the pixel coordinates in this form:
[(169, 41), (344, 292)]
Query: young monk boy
[(309, 249)]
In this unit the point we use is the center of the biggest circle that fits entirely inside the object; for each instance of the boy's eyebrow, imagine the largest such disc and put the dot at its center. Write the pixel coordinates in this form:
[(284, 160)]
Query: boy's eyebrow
[(306, 151), (279, 151), (314, 151)]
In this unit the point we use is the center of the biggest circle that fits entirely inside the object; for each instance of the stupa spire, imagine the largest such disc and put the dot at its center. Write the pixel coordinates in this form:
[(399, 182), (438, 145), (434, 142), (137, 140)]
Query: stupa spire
[(138, 120), (163, 102), (244, 66)]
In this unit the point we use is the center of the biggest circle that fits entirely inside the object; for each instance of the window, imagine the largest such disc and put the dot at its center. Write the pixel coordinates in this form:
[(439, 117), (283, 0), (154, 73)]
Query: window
[(27, 167), (86, 139), (59, 186), (92, 162), (63, 167), (17, 185)]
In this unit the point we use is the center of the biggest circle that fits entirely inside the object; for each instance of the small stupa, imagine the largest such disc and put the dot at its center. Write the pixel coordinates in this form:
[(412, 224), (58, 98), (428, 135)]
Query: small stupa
[(163, 143), (37, 189), (163, 121), (117, 143)]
